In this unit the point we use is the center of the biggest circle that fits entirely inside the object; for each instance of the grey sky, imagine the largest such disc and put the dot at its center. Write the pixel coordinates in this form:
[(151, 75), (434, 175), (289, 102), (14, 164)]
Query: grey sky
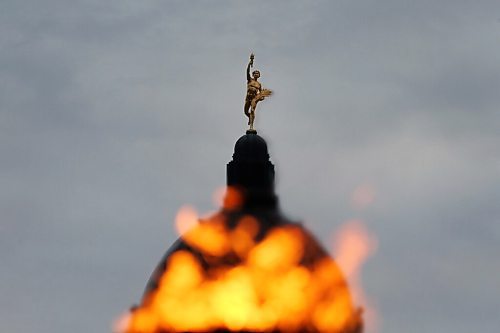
[(114, 114)]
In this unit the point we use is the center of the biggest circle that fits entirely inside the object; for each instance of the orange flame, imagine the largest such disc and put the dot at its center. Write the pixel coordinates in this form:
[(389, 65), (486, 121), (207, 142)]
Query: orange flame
[(353, 245), (255, 281)]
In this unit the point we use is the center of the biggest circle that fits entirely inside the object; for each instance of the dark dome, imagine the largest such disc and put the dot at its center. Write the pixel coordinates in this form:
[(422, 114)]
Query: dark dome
[(250, 168), (251, 147)]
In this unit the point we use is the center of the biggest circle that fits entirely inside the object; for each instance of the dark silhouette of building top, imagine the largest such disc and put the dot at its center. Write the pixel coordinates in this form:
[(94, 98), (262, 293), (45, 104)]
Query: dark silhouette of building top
[(251, 171)]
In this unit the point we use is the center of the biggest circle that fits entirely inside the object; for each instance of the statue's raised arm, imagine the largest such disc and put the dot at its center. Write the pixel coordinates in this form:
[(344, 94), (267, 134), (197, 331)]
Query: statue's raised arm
[(250, 64), (255, 93)]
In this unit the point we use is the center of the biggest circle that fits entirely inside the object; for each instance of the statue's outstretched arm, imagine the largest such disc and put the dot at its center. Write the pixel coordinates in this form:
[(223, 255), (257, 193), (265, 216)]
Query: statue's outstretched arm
[(250, 64)]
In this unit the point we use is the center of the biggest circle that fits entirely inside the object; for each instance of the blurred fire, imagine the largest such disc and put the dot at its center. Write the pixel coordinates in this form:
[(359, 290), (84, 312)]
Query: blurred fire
[(235, 280), (353, 244)]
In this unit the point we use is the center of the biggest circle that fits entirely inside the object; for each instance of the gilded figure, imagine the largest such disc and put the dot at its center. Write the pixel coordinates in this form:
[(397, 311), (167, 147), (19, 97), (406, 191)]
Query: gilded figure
[(255, 93)]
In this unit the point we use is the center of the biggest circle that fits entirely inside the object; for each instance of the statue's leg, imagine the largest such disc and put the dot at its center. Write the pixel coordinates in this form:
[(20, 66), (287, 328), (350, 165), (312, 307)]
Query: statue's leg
[(251, 119), (253, 103), (247, 108)]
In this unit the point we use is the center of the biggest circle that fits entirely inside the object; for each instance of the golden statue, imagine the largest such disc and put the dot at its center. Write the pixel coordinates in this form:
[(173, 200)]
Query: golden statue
[(255, 93)]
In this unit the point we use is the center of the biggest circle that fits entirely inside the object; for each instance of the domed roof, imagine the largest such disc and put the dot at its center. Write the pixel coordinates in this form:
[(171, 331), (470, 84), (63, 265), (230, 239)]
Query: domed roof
[(250, 168), (251, 147)]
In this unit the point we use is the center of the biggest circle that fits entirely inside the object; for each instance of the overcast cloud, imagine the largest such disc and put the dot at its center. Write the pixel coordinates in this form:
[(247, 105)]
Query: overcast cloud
[(113, 114)]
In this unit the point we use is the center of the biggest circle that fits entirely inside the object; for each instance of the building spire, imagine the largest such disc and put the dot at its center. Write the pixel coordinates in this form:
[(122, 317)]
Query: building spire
[(251, 171)]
